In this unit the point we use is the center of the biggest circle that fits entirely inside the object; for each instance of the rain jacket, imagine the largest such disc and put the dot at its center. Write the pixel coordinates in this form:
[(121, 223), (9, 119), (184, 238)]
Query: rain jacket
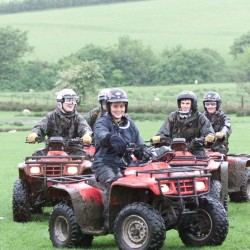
[(195, 126), (220, 123), (57, 123), (105, 155)]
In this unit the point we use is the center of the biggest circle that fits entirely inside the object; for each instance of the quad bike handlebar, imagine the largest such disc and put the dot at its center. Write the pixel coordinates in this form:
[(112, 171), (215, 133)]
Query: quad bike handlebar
[(60, 139), (149, 153), (180, 144)]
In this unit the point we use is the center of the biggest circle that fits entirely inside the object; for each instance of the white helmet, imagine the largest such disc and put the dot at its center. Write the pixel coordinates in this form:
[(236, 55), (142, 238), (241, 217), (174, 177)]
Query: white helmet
[(102, 96), (67, 96)]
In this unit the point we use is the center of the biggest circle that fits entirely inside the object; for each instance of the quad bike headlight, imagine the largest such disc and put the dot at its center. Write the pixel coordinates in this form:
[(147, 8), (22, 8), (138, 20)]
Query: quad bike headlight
[(35, 170), (200, 186), (72, 170), (164, 188)]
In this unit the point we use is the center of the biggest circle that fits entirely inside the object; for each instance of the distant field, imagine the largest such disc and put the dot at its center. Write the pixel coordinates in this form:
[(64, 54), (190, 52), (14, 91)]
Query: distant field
[(158, 23), (141, 96)]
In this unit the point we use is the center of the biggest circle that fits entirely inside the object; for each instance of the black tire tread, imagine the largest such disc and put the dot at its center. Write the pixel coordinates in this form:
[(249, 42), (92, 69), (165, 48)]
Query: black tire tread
[(154, 219), (76, 237), (219, 227), (20, 203)]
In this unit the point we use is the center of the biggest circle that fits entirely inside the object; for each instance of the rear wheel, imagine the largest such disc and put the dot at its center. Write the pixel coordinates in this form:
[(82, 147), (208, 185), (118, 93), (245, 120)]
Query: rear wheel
[(208, 227), (245, 189), (139, 226), (244, 194), (63, 229), (20, 202), (217, 194)]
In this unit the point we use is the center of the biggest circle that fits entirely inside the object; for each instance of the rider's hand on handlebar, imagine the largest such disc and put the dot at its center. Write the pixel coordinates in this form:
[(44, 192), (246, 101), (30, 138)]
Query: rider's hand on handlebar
[(155, 139), (86, 139), (118, 144), (210, 138), (31, 138), (219, 135), (161, 140)]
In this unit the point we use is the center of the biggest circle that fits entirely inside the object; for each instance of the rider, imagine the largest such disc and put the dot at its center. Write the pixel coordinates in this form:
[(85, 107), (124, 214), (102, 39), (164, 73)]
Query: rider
[(97, 112), (113, 133), (64, 121), (186, 122), (221, 123)]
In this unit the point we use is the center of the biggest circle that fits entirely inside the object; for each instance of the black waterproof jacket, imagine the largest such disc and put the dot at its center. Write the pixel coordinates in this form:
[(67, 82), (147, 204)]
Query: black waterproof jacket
[(57, 123), (195, 126), (220, 123)]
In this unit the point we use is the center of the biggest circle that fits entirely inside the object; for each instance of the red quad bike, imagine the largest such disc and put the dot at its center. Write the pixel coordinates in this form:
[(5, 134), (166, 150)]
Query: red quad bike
[(150, 199), (230, 174), (29, 191), (213, 162)]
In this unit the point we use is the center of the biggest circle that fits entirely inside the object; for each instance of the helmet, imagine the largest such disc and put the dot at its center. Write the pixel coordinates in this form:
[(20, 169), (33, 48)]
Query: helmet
[(212, 96), (117, 95), (65, 94), (187, 95), (102, 96)]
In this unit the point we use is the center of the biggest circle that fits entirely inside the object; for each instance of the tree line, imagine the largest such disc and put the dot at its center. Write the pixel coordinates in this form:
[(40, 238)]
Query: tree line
[(15, 6), (129, 62)]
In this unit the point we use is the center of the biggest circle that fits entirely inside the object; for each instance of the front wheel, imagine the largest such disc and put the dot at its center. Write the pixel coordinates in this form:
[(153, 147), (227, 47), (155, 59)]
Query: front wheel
[(139, 226), (208, 227), (63, 229), (21, 202)]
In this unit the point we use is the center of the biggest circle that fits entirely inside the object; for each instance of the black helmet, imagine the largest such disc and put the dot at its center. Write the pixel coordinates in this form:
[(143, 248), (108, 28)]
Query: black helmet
[(117, 95), (187, 95), (212, 96)]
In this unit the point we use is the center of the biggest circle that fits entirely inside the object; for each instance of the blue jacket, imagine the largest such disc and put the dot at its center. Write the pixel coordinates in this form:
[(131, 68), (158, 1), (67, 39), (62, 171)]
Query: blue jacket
[(105, 154)]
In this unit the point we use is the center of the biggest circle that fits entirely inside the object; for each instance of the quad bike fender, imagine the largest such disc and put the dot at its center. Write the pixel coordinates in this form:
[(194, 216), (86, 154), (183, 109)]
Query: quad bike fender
[(22, 169), (224, 178), (236, 171), (87, 203), (138, 183)]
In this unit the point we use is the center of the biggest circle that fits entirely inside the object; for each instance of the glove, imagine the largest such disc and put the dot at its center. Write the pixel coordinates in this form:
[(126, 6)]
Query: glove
[(32, 137), (86, 139), (161, 139), (210, 138), (219, 135), (118, 144), (155, 139), (138, 154)]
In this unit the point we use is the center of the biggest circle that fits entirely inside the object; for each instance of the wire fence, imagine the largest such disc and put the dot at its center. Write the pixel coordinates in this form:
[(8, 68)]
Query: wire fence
[(47, 100)]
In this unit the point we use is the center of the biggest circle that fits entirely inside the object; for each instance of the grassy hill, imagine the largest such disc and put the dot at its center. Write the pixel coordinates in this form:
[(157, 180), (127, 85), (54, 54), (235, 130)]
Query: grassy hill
[(158, 23)]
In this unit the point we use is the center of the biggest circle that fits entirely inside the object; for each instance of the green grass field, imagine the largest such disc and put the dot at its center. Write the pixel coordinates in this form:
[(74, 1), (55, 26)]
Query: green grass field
[(140, 96), (158, 23), (34, 235)]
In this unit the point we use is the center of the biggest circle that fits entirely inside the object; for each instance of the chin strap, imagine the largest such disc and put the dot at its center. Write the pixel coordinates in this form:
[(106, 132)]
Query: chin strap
[(185, 114)]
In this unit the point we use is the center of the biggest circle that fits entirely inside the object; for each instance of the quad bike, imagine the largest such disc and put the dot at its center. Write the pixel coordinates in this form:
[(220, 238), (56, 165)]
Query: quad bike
[(151, 198), (195, 154), (30, 189), (230, 174)]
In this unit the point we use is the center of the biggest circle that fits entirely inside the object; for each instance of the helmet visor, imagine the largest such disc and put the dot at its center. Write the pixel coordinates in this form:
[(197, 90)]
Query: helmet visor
[(70, 100), (210, 104)]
